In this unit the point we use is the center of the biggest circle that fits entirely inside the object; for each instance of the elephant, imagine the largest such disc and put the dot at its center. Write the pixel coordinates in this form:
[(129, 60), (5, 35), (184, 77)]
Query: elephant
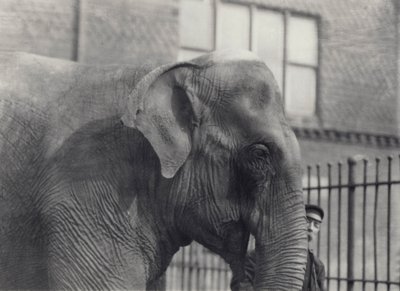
[(106, 171)]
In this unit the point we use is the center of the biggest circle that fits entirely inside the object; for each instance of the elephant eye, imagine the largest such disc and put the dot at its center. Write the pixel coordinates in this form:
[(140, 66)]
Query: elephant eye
[(259, 151), (259, 157), (254, 165)]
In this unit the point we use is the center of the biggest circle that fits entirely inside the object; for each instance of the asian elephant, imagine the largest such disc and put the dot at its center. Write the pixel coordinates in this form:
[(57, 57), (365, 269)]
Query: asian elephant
[(107, 171)]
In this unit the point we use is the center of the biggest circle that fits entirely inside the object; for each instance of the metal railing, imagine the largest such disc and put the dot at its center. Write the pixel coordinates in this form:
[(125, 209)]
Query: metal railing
[(196, 268), (359, 241)]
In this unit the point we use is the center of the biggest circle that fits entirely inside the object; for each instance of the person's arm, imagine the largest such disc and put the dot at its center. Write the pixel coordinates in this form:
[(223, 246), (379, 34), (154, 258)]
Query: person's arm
[(321, 277), (249, 272)]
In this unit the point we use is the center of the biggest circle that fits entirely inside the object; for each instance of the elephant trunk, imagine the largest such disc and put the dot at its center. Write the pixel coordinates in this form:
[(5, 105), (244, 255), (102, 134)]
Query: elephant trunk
[(281, 243)]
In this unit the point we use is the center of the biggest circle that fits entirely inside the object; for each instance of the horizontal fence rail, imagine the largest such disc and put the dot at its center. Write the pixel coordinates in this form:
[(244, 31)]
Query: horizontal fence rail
[(359, 241)]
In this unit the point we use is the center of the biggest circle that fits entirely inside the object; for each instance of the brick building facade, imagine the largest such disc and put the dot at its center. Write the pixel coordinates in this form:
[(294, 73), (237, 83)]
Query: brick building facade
[(92, 31), (356, 102), (358, 56), (357, 98)]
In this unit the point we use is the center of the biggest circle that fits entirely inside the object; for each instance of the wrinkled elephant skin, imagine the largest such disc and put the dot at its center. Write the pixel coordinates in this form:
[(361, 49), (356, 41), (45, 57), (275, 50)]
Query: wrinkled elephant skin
[(106, 171)]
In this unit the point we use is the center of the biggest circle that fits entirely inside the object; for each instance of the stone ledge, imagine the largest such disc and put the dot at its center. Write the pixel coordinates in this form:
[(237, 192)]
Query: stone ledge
[(352, 138)]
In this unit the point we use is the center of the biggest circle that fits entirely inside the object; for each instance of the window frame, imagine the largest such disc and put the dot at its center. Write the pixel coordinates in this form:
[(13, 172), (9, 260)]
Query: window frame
[(315, 117), (214, 4), (286, 13)]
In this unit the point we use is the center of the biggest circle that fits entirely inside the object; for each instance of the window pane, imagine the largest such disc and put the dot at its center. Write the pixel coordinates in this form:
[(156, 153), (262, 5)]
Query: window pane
[(185, 55), (269, 38), (196, 24), (303, 40), (233, 26), (300, 91)]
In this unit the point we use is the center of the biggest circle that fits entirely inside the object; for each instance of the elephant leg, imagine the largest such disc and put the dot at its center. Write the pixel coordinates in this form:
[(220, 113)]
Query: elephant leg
[(84, 253), (82, 268)]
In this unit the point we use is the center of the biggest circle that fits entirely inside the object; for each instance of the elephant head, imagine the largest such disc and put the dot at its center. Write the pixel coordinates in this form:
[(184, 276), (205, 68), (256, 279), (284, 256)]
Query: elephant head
[(218, 128)]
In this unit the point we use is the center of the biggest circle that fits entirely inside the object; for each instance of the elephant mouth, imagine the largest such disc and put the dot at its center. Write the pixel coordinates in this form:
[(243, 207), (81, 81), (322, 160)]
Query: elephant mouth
[(230, 241)]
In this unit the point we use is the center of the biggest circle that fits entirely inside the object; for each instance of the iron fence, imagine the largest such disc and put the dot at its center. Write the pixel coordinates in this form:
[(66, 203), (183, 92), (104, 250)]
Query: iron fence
[(358, 241), (196, 268)]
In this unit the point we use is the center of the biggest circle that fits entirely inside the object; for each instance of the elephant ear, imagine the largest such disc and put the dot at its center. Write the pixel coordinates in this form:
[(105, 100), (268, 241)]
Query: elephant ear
[(160, 107)]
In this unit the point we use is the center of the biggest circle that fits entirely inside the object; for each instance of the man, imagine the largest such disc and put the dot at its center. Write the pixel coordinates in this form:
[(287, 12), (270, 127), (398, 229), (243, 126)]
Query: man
[(314, 278)]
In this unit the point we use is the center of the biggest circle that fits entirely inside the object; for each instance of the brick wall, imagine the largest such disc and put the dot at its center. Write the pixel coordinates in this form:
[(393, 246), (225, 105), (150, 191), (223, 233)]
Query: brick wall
[(44, 27), (358, 62), (126, 31), (92, 31)]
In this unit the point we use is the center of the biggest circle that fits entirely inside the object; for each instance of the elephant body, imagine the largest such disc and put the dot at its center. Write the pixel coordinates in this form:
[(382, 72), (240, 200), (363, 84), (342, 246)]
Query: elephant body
[(63, 148), (92, 198)]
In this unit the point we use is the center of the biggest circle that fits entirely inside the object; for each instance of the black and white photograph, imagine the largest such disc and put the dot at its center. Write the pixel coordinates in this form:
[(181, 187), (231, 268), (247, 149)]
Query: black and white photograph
[(200, 145)]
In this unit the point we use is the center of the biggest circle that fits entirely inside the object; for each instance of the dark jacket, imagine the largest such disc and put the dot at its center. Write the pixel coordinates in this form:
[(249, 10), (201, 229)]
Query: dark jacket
[(314, 278)]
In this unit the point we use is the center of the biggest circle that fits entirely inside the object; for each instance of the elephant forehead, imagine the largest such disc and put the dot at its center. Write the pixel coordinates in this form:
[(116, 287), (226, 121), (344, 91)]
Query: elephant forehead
[(248, 82), (250, 112), (260, 105), (259, 123)]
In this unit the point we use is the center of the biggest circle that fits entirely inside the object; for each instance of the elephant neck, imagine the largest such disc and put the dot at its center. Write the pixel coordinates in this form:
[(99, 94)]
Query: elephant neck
[(167, 237)]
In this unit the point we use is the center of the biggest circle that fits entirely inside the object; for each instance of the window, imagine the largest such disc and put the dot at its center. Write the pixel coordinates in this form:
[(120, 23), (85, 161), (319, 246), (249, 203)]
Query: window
[(196, 28), (233, 26), (269, 41), (301, 66), (288, 43)]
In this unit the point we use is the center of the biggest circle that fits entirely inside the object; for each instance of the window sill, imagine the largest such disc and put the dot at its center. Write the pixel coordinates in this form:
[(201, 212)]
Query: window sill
[(303, 121)]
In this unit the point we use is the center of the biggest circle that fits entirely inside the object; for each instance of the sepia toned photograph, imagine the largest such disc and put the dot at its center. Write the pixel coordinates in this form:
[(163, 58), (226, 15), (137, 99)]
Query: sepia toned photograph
[(200, 145)]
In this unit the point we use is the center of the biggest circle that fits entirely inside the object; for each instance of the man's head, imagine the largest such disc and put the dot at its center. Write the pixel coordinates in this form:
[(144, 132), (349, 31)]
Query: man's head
[(314, 215)]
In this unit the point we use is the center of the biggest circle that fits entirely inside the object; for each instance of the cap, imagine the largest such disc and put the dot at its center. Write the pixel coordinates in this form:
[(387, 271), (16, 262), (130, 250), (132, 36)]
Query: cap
[(315, 212)]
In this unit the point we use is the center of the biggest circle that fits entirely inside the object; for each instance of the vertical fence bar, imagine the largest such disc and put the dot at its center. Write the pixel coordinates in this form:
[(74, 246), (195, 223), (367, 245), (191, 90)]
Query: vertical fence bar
[(350, 219), (206, 269), (329, 220), (375, 222), (227, 279), (389, 198), (339, 220), (190, 266), (212, 273), (319, 204), (220, 262), (218, 272), (364, 218), (319, 185), (308, 183), (200, 264), (183, 269), (398, 263)]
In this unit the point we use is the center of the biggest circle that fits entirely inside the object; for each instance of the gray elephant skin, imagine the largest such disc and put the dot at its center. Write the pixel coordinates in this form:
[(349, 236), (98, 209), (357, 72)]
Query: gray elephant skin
[(107, 171)]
